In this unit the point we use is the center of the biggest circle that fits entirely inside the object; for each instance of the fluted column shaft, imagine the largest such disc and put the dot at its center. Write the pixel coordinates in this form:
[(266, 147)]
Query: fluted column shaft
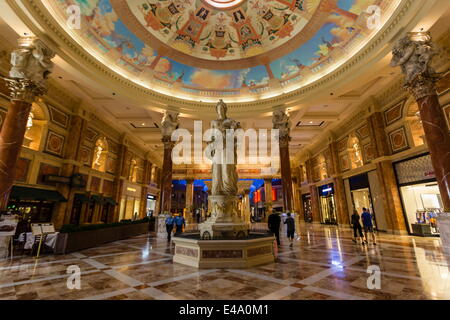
[(166, 176)]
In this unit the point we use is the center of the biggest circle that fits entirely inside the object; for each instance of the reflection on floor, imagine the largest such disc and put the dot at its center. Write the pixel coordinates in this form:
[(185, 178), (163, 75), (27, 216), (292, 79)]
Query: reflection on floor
[(323, 264)]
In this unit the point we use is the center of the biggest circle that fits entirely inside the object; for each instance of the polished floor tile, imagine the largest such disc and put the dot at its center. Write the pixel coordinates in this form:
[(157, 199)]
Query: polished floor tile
[(324, 264)]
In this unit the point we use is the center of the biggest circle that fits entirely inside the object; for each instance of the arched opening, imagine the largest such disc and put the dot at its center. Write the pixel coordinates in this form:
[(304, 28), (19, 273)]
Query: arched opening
[(354, 151), (415, 124), (100, 154), (35, 128)]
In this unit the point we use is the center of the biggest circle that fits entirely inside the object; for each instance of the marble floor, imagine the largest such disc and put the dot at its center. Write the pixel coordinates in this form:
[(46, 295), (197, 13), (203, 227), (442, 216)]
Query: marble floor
[(323, 264)]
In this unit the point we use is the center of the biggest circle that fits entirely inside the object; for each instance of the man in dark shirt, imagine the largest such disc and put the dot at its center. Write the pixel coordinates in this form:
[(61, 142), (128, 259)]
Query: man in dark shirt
[(290, 223), (273, 223), (366, 217), (357, 228)]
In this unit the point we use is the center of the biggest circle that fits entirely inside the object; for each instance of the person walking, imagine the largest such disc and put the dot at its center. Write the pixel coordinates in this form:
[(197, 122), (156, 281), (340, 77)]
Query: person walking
[(290, 223), (357, 229), (366, 217), (179, 222), (169, 226), (273, 222)]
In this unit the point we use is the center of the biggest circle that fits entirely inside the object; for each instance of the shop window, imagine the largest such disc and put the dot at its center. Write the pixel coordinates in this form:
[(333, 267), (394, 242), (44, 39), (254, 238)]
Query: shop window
[(100, 154), (415, 125), (35, 128), (354, 150)]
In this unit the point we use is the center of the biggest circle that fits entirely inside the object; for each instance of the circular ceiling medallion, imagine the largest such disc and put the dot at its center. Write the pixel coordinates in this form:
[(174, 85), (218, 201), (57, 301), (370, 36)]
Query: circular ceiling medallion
[(223, 4)]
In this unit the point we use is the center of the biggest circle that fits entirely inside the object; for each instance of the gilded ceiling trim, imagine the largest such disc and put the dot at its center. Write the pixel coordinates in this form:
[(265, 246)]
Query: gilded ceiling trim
[(69, 50)]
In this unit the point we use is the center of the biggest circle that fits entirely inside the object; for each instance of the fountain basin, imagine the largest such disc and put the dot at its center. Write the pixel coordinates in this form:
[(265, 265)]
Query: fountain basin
[(254, 250)]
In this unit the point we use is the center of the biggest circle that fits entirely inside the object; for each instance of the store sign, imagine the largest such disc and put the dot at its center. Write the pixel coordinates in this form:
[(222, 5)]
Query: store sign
[(56, 179), (151, 197), (415, 170), (326, 190), (75, 181)]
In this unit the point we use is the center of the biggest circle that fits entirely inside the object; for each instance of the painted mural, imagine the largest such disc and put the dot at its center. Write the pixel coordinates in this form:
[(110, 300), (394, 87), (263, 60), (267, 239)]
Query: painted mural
[(326, 30)]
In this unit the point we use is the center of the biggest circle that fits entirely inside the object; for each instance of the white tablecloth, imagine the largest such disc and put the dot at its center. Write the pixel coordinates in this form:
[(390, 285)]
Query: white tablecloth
[(50, 240)]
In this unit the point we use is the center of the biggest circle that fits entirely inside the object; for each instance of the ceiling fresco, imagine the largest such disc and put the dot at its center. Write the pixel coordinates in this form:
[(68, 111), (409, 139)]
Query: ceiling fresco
[(194, 48)]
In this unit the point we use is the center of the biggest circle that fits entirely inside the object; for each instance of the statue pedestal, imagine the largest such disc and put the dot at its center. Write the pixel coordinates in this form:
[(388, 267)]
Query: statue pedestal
[(161, 231), (224, 222), (256, 250)]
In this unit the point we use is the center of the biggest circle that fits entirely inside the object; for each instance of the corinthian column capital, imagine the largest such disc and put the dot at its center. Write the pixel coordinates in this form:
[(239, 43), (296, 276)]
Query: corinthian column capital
[(414, 54), (31, 66), (282, 122), (169, 123)]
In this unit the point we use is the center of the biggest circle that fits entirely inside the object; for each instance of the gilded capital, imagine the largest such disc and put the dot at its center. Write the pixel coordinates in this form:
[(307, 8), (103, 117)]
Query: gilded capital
[(31, 65), (282, 122), (169, 123), (414, 54)]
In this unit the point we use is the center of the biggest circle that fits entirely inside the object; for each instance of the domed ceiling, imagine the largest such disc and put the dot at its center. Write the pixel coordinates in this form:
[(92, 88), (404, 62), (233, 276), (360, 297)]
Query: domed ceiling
[(236, 49)]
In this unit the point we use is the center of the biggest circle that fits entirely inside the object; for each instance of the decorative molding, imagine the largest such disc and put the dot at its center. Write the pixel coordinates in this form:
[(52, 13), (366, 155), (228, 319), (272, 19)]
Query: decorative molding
[(79, 55), (394, 113), (398, 140), (54, 143)]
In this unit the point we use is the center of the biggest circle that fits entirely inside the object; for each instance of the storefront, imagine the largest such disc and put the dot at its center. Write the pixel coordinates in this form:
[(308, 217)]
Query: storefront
[(151, 205), (91, 208), (327, 204), (33, 204), (359, 195), (307, 207), (130, 202), (420, 195)]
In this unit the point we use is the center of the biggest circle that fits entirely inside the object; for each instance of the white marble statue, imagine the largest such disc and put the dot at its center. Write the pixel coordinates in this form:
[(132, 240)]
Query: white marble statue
[(169, 123), (32, 61), (414, 57), (225, 221), (224, 174)]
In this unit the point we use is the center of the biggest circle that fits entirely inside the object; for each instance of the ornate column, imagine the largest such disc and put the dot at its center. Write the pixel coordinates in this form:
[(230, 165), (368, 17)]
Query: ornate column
[(31, 65), (208, 212), (315, 207), (378, 135), (268, 196), (244, 189), (145, 188), (414, 53), (189, 200), (391, 198), (296, 195), (168, 124), (72, 166), (119, 182), (282, 122), (341, 199)]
